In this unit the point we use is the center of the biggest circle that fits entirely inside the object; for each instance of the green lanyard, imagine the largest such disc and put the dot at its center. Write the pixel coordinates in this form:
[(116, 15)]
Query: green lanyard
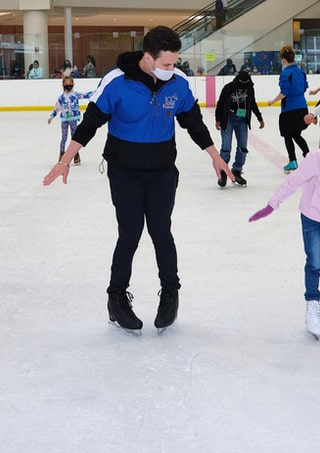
[(241, 112)]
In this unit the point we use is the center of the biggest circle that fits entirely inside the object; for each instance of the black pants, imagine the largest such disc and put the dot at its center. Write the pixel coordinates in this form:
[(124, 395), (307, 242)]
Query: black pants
[(139, 196), (291, 125)]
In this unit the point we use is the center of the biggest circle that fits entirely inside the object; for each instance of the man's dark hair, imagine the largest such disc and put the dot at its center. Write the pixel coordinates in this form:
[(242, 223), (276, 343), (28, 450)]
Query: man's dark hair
[(159, 39)]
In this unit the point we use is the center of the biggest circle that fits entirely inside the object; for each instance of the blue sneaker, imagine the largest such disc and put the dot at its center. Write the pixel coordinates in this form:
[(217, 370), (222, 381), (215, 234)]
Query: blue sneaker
[(290, 166)]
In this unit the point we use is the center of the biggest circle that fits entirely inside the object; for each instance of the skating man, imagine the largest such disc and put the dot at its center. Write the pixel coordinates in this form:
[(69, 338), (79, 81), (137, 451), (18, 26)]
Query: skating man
[(140, 101)]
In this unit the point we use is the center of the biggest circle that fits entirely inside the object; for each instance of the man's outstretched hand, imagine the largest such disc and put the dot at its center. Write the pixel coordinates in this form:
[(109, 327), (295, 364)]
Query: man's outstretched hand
[(58, 170)]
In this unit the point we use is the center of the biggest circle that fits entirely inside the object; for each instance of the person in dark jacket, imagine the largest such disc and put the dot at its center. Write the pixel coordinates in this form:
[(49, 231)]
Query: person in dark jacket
[(219, 13), (140, 101), (16, 71), (186, 69), (233, 114), (229, 68)]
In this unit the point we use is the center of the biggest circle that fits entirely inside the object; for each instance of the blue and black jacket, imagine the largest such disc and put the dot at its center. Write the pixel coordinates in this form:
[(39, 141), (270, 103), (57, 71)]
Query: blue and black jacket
[(141, 116)]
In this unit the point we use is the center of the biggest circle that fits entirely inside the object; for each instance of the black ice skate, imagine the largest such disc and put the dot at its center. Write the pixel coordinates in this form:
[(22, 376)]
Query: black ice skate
[(222, 181), (239, 179), (120, 311), (168, 308), (76, 159)]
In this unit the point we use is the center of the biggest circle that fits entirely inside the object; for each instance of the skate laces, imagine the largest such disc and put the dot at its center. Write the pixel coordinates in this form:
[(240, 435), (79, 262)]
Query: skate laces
[(101, 167), (165, 296), (125, 300), (129, 297)]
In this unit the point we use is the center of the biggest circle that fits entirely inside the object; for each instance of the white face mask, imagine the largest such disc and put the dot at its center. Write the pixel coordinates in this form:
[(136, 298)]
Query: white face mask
[(162, 74)]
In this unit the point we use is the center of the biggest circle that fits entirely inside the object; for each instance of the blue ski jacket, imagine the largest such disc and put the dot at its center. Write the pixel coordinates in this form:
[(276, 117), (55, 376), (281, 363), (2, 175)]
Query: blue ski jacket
[(293, 84), (141, 116)]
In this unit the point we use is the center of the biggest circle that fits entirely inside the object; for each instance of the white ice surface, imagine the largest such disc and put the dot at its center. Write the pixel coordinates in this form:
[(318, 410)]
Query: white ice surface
[(237, 373)]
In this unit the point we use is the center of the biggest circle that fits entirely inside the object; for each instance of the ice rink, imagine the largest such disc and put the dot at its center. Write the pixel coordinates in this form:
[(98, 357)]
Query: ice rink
[(237, 372)]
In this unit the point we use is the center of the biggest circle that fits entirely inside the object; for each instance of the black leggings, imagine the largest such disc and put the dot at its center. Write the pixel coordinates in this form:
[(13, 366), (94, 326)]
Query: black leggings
[(139, 196), (300, 141), (291, 125)]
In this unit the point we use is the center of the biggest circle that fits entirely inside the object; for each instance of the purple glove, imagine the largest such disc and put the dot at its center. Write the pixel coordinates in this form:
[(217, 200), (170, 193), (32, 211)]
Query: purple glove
[(262, 213)]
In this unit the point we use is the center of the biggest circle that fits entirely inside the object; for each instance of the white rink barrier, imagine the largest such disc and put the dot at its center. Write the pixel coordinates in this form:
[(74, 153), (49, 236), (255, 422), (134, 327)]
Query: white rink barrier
[(42, 94)]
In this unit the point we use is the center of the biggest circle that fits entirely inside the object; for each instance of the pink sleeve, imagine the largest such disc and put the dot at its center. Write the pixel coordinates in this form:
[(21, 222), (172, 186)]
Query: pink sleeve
[(307, 169)]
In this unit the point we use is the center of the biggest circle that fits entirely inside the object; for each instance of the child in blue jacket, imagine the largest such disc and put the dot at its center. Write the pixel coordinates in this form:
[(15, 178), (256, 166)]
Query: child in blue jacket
[(68, 106)]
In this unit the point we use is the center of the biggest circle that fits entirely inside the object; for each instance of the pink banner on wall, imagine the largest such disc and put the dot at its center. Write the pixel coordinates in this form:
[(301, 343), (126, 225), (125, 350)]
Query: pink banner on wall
[(210, 91)]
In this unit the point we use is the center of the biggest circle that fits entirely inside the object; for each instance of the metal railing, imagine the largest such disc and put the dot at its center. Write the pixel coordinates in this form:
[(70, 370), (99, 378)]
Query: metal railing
[(204, 22)]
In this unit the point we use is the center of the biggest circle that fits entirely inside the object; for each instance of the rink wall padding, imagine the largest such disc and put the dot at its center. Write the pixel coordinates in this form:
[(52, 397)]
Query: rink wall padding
[(42, 94)]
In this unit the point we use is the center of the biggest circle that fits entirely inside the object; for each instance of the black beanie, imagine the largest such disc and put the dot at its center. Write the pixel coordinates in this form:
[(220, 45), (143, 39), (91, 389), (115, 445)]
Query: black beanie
[(243, 77)]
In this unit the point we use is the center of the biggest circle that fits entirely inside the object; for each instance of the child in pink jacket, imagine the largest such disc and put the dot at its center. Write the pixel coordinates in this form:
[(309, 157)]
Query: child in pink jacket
[(306, 176)]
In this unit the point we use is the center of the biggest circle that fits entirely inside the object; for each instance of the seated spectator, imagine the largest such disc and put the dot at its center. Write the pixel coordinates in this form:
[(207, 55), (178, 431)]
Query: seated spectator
[(255, 70), (29, 69), (246, 65), (66, 68), (200, 71), (75, 73), (186, 69), (36, 72), (57, 74), (16, 71), (178, 64), (228, 69)]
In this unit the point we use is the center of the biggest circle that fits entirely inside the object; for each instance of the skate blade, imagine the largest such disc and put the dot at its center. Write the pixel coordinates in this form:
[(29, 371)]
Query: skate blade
[(287, 172), (239, 185), (162, 330), (133, 332), (315, 336)]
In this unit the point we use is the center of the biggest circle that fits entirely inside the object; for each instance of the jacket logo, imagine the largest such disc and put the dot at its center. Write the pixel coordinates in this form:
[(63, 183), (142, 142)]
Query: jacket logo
[(170, 101)]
